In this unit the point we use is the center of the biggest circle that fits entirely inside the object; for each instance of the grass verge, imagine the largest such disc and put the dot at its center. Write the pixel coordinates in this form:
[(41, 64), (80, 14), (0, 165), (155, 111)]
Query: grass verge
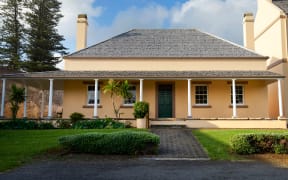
[(20, 146), (217, 141)]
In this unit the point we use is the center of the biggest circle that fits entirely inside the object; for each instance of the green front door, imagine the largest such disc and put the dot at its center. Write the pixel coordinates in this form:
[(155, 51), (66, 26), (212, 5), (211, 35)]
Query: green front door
[(165, 101)]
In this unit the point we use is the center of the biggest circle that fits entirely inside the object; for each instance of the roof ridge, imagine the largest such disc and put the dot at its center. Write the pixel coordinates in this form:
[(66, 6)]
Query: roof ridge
[(230, 42)]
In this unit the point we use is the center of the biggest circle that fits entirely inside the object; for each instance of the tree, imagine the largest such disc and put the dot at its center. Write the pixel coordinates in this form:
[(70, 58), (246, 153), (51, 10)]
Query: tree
[(11, 33), (17, 96), (117, 89), (43, 40)]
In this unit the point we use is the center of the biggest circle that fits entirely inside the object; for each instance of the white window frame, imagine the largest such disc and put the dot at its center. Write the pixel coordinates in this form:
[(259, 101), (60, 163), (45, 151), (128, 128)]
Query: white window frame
[(133, 94), (92, 95), (243, 94), (207, 95)]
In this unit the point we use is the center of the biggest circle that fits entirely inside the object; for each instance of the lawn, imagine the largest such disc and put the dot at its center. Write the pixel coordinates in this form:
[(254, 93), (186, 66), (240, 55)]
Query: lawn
[(217, 141), (20, 146)]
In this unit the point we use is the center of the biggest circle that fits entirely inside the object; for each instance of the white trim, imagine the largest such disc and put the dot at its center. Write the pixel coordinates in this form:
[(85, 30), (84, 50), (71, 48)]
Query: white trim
[(189, 99), (3, 97), (141, 90), (95, 112), (234, 98), (280, 98), (50, 104)]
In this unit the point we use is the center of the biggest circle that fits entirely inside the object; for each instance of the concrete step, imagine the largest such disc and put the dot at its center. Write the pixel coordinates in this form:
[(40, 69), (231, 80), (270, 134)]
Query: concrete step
[(168, 126)]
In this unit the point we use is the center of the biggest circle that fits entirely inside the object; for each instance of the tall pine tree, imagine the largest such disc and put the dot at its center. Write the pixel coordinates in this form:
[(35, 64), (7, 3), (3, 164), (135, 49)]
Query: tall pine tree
[(43, 40), (11, 33)]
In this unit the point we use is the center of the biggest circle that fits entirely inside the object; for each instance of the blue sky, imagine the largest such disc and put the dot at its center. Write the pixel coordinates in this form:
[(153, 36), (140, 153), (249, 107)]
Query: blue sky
[(111, 17)]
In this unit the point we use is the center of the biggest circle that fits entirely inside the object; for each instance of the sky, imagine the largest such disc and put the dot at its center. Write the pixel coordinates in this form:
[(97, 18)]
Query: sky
[(108, 18)]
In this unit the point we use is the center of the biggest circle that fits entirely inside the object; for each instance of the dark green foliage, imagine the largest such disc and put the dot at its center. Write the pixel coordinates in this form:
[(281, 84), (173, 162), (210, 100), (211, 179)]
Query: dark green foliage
[(16, 97), (99, 124), (76, 116), (125, 142), (45, 125), (64, 124), (260, 143), (11, 34), (43, 38), (24, 124), (141, 109)]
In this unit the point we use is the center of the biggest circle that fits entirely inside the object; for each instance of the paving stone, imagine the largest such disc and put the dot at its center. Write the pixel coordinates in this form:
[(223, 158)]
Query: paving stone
[(179, 143)]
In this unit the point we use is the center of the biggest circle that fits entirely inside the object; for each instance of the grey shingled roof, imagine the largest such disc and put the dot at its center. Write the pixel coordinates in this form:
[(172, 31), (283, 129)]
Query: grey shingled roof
[(145, 75), (167, 43), (282, 4)]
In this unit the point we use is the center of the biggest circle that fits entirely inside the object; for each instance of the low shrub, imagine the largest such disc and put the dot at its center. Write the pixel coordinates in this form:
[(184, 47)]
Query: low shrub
[(124, 142), (260, 143), (63, 124), (76, 116), (25, 124), (107, 123)]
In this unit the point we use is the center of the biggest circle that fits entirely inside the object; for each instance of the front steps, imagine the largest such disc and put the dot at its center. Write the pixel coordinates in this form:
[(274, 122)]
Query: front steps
[(167, 123)]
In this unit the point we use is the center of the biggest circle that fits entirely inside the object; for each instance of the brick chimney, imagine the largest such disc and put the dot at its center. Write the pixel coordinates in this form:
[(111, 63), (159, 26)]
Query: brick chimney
[(248, 30), (82, 25)]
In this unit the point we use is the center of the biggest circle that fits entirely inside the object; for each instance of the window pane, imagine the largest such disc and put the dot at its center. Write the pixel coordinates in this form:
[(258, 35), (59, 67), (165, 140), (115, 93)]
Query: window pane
[(201, 95), (132, 99), (90, 95), (239, 94)]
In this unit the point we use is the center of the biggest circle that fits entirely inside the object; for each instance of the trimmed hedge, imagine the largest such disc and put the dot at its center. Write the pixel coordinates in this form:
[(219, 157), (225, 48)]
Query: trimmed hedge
[(260, 143), (107, 123), (25, 124), (124, 142)]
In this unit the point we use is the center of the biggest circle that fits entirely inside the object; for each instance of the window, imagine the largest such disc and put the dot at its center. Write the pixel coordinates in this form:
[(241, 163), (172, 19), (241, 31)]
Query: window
[(90, 95), (239, 94), (201, 95), (132, 100)]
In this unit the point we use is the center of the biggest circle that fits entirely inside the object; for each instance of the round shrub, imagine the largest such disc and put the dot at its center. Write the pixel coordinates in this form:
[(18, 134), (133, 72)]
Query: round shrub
[(76, 116), (260, 143), (124, 142)]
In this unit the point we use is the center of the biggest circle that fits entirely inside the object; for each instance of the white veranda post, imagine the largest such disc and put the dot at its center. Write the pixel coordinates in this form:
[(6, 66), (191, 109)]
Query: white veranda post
[(189, 100), (280, 98), (50, 99), (234, 98), (141, 90), (95, 114), (3, 97)]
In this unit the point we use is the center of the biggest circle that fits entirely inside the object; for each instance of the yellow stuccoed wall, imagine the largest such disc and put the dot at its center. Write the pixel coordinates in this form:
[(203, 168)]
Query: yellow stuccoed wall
[(218, 96), (164, 64), (271, 40)]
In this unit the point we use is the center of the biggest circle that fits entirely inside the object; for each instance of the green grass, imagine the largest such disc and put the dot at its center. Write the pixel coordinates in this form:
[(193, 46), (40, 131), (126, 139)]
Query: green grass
[(217, 141), (20, 146)]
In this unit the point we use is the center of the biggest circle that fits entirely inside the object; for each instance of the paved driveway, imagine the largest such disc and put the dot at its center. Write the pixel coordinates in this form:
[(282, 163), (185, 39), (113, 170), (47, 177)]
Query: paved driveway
[(90, 167)]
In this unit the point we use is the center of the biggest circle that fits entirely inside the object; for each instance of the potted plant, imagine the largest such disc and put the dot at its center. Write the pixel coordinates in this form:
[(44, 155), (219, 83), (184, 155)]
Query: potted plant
[(141, 110)]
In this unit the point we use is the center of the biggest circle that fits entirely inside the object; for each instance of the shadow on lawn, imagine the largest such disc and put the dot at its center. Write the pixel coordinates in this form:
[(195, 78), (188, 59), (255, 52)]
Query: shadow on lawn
[(217, 148)]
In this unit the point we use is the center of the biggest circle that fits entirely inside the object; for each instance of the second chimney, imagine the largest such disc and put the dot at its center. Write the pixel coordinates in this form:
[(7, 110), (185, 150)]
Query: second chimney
[(248, 30), (81, 39)]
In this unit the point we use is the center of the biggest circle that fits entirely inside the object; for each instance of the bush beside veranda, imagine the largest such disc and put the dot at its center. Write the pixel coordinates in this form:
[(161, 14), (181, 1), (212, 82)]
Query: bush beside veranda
[(107, 123), (25, 124), (260, 143), (124, 142)]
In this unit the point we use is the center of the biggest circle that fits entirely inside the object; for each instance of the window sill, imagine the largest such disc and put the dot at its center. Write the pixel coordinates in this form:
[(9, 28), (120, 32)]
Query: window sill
[(91, 106), (239, 106), (127, 106), (202, 106)]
